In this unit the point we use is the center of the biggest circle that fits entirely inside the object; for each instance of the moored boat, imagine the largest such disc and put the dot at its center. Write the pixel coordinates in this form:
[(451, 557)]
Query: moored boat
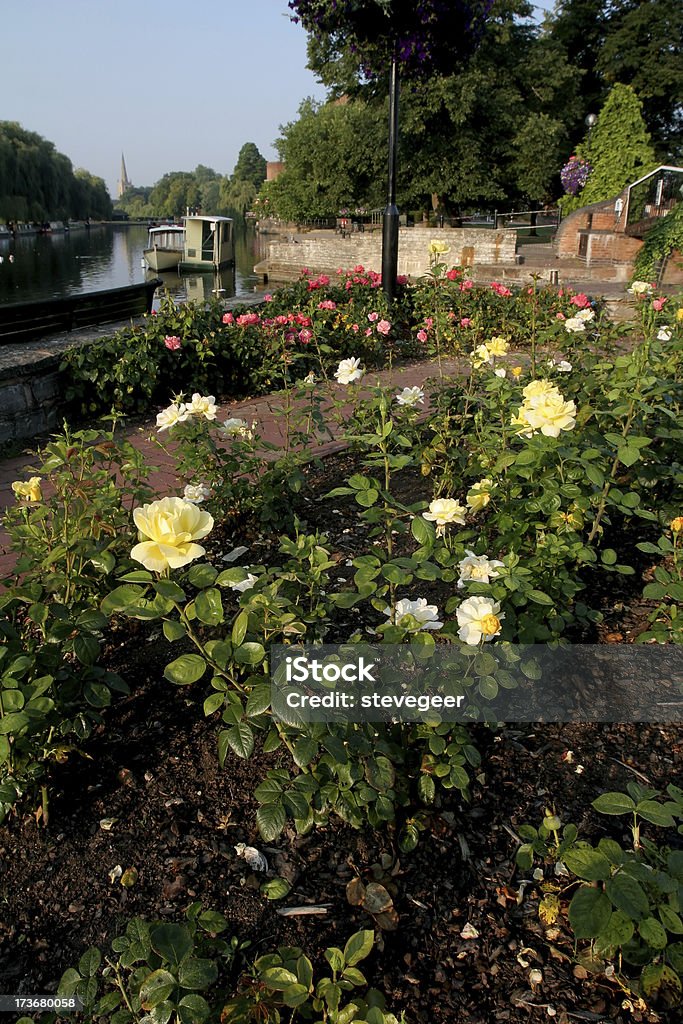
[(165, 247), (209, 243)]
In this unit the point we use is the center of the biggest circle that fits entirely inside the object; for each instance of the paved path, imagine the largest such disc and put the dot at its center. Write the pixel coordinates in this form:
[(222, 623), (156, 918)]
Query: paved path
[(271, 427)]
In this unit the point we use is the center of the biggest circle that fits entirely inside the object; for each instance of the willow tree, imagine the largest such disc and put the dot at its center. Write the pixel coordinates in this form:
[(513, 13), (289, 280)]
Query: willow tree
[(413, 39)]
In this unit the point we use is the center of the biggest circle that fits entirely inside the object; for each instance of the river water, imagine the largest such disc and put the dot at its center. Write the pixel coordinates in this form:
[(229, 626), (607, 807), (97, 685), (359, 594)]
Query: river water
[(110, 256)]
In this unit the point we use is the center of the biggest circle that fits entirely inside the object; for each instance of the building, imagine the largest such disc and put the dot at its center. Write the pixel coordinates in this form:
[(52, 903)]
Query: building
[(124, 182)]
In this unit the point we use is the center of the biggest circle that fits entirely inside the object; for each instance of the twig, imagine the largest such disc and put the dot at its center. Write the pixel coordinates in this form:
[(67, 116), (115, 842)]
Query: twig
[(302, 911), (631, 769)]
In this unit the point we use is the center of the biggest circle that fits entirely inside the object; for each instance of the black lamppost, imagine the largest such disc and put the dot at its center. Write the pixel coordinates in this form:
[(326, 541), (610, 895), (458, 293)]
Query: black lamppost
[(390, 219)]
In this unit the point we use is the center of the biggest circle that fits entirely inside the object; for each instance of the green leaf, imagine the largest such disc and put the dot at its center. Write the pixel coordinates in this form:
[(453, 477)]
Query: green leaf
[(258, 700), (193, 1009), (608, 556), (89, 963), (239, 628), (195, 973), (618, 932), (538, 597), (209, 606), (173, 630), (589, 912), (121, 598), (670, 919), (628, 455), (614, 803), (276, 888), (173, 942), (626, 894), (156, 988), (185, 670), (249, 654), (270, 819), (358, 947), (652, 932), (426, 789), (213, 703), (588, 864), (278, 978), (422, 531), (241, 739), (655, 813), (660, 976)]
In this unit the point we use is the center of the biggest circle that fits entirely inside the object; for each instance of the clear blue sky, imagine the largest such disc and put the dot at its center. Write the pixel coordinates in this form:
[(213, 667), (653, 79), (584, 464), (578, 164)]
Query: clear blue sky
[(171, 84)]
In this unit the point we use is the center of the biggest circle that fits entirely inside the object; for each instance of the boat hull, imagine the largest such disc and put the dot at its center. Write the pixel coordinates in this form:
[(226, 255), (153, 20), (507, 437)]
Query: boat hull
[(23, 321), (160, 259)]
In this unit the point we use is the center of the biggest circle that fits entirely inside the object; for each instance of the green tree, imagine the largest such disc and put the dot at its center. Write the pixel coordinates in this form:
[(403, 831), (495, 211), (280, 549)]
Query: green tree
[(332, 160), (174, 194), (250, 166), (643, 48), (618, 148)]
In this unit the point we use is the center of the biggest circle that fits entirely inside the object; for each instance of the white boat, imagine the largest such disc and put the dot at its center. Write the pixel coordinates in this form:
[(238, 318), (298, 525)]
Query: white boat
[(165, 247), (209, 243)]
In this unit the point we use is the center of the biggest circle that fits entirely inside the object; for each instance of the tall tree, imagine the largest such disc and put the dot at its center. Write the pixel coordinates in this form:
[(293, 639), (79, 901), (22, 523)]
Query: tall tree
[(618, 148), (643, 48)]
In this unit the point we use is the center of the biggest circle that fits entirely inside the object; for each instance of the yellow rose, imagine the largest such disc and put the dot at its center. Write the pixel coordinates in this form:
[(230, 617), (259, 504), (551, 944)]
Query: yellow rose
[(168, 529), (539, 387), (550, 414), (677, 524), (28, 490), (479, 494), (438, 248), (679, 313), (516, 371), (497, 346)]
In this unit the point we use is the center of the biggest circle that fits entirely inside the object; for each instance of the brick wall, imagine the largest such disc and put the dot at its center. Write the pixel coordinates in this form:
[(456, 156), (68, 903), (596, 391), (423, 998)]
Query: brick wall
[(325, 254)]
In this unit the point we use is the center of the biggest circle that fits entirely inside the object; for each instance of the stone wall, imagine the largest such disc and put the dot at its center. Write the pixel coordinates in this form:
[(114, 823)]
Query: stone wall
[(31, 398), (325, 253), (596, 234)]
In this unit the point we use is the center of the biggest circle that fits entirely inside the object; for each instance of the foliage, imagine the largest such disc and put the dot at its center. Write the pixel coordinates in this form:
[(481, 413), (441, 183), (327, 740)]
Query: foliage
[(628, 901), (38, 183), (617, 148), (663, 239), (468, 137), (639, 45), (425, 37), (157, 971), (72, 531)]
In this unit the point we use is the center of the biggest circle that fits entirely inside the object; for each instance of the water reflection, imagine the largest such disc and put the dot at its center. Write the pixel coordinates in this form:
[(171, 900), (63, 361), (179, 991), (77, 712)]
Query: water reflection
[(110, 256)]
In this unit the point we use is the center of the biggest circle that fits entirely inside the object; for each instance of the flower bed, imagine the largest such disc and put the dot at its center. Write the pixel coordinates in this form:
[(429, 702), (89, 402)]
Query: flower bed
[(513, 505)]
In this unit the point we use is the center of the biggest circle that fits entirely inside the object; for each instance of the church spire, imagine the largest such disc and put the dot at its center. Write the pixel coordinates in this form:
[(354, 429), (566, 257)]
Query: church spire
[(124, 181)]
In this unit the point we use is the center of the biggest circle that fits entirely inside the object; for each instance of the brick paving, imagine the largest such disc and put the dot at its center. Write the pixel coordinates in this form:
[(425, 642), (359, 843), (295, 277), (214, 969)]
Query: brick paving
[(270, 427)]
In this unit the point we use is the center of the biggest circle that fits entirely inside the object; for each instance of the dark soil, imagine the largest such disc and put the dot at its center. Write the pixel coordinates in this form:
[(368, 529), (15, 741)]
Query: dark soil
[(177, 816)]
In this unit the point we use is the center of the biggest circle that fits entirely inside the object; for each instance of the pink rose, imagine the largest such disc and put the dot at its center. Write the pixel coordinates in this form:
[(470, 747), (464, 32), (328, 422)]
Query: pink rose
[(368, 332), (453, 274), (372, 317), (422, 336), (305, 336), (401, 279), (560, 316), (581, 300), (467, 285), (658, 304), (267, 298), (172, 342), (228, 318), (465, 322), (327, 304), (383, 327)]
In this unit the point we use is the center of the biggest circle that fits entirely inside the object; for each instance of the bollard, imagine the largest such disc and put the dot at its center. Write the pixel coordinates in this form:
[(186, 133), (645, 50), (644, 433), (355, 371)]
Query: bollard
[(554, 277)]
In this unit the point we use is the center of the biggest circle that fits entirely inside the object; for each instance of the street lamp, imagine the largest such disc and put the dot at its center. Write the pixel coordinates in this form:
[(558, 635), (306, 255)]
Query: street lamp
[(590, 120)]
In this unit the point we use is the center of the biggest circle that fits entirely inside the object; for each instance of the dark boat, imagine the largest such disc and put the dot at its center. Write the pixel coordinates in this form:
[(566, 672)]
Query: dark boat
[(23, 321)]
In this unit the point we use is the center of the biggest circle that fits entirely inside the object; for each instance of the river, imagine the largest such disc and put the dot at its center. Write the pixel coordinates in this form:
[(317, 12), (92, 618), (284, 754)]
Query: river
[(110, 256)]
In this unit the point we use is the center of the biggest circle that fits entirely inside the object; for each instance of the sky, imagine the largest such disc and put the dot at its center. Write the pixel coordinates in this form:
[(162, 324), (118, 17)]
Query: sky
[(170, 85)]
